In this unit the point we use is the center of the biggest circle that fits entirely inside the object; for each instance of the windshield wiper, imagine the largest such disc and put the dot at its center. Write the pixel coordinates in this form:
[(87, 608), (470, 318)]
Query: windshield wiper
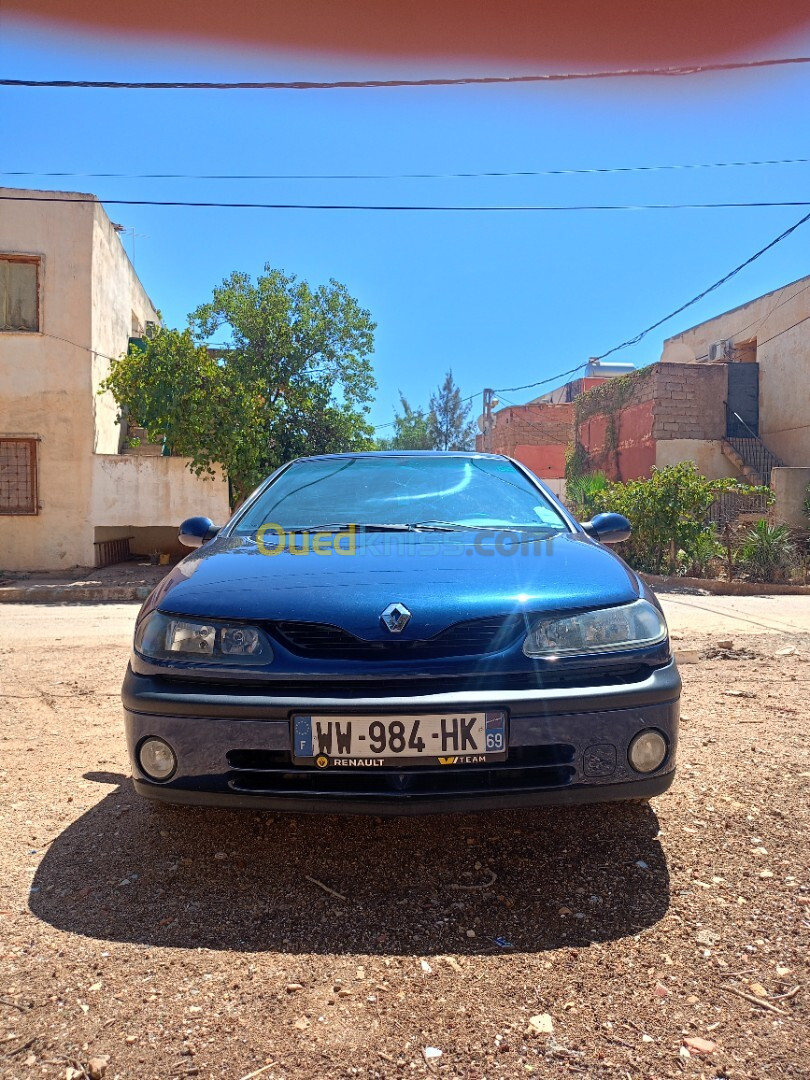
[(439, 526), (339, 526), (412, 526), (518, 530)]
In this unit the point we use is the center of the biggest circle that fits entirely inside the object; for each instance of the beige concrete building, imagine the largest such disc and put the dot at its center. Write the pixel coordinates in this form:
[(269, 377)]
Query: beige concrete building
[(69, 301), (771, 337)]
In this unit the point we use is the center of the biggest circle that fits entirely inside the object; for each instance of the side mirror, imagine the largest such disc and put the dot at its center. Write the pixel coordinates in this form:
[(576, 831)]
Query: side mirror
[(608, 528), (196, 531)]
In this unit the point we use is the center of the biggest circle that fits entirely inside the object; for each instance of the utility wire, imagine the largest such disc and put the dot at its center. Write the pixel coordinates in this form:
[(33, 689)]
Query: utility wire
[(517, 173), (373, 84), (505, 389), (406, 208), (542, 382), (633, 341), (762, 319), (780, 332), (732, 273)]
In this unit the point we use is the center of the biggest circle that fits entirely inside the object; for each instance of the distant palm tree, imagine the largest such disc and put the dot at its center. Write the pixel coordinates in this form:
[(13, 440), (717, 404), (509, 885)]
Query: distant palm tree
[(581, 492)]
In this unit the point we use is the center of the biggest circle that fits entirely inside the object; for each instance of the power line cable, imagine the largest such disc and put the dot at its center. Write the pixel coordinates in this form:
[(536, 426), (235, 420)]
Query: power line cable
[(542, 382), (373, 84), (408, 208), (762, 319), (515, 173), (506, 389), (727, 277), (76, 345), (780, 332), (379, 427)]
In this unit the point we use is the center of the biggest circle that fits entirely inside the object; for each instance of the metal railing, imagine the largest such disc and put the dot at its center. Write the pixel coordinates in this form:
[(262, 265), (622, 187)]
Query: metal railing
[(729, 506), (750, 447)]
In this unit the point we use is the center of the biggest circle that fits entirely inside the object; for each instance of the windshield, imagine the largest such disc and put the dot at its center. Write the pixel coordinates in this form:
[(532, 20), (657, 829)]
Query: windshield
[(478, 493)]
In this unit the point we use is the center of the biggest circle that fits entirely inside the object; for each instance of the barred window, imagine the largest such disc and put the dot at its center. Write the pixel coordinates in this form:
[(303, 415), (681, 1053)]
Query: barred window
[(19, 293), (18, 476)]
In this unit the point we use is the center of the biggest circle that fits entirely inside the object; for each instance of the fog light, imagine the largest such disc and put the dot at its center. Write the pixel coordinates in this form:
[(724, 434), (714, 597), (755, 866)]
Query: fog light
[(647, 751), (157, 759)]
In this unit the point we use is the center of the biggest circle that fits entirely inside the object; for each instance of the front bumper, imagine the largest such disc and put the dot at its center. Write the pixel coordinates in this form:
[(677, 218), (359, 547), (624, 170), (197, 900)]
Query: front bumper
[(566, 746)]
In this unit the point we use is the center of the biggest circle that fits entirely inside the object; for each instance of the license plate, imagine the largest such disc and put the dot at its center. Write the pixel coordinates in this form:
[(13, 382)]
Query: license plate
[(377, 741)]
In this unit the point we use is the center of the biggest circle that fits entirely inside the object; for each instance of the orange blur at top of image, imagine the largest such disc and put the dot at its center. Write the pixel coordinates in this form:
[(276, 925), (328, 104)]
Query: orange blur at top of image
[(592, 33)]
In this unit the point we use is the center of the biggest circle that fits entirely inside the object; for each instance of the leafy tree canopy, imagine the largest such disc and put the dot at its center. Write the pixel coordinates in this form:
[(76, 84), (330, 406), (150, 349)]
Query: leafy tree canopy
[(295, 377)]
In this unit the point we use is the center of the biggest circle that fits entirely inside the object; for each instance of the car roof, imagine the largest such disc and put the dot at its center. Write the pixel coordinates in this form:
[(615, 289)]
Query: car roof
[(471, 454)]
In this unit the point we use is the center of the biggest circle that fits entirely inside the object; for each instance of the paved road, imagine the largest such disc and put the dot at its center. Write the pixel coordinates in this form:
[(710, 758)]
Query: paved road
[(737, 614)]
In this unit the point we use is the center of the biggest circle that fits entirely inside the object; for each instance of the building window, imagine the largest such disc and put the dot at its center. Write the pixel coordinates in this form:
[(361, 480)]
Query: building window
[(19, 293), (18, 476)]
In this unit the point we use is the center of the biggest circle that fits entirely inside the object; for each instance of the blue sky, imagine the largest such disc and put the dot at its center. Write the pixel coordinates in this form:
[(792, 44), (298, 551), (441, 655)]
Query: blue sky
[(503, 299)]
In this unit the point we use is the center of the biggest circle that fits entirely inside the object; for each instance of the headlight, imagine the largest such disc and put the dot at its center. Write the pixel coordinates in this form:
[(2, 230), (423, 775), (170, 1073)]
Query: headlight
[(631, 626), (165, 637)]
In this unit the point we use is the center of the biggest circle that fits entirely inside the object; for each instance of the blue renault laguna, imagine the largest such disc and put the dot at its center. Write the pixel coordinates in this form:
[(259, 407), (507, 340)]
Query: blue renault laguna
[(401, 633)]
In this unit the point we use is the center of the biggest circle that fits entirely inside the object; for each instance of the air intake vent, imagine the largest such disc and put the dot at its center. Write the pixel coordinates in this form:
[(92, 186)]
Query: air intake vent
[(473, 638)]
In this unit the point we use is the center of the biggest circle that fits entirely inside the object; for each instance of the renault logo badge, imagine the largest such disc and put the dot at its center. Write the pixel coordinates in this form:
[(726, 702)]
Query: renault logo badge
[(396, 617)]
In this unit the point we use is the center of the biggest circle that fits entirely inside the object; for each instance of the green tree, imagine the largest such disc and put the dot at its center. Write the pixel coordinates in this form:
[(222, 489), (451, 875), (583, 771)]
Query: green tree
[(449, 425), (294, 379), (411, 429)]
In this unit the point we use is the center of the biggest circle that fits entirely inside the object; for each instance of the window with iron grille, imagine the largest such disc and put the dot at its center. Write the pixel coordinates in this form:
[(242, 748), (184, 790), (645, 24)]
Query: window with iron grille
[(18, 476), (19, 293)]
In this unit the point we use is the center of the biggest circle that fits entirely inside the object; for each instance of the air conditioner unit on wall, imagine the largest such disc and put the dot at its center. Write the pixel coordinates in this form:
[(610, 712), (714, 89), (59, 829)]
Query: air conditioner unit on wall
[(720, 350)]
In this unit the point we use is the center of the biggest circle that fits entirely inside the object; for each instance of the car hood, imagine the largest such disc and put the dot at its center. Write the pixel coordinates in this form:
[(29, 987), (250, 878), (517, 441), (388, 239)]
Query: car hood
[(441, 578)]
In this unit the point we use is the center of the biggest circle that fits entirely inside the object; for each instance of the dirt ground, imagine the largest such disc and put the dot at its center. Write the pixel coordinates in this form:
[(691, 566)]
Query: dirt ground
[(203, 944)]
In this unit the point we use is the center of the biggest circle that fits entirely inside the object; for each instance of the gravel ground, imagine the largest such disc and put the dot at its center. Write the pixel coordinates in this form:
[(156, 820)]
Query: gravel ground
[(594, 942)]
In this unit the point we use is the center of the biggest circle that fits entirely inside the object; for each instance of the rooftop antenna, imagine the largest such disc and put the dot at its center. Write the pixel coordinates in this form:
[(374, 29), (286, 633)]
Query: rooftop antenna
[(130, 232)]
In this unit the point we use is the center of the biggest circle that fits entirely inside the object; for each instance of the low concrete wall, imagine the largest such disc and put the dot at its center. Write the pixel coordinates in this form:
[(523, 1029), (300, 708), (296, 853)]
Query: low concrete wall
[(790, 488), (661, 583), (706, 454), (127, 493), (146, 492)]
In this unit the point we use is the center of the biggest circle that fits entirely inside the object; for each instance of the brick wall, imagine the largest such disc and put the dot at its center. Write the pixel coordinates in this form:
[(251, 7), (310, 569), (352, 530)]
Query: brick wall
[(689, 401), (664, 401), (536, 434)]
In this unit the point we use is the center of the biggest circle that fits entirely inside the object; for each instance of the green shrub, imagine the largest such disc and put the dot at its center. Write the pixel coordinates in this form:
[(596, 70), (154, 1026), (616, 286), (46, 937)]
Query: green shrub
[(706, 550), (669, 516), (767, 553)]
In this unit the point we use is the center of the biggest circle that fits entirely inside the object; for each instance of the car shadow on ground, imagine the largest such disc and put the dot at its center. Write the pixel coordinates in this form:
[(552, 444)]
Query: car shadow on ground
[(527, 880)]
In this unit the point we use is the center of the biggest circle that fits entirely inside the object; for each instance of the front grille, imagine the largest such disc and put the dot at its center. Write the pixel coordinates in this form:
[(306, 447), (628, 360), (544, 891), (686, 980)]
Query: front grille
[(263, 772), (472, 638), (353, 686)]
